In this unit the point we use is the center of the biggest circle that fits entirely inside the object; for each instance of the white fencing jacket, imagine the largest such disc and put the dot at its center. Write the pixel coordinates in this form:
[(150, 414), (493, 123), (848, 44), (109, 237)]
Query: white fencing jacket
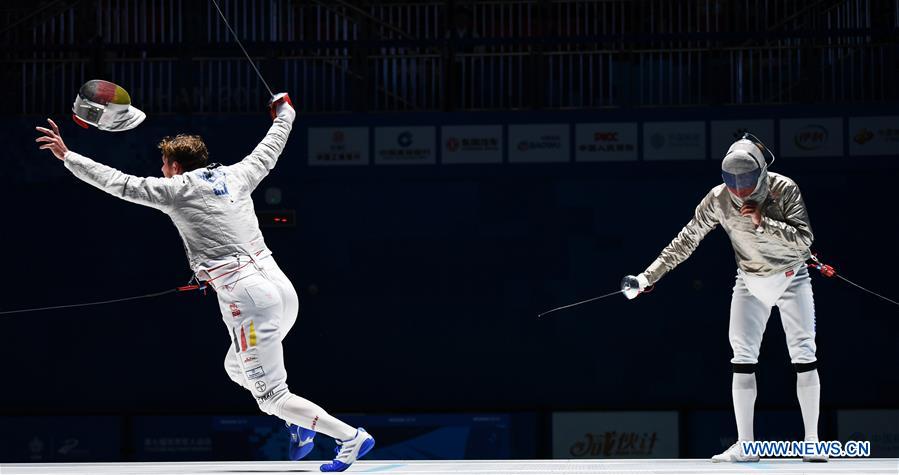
[(211, 207)]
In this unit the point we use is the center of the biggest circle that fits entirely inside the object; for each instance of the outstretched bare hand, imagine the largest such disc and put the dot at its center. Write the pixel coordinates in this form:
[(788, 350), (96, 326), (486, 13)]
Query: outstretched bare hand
[(52, 140)]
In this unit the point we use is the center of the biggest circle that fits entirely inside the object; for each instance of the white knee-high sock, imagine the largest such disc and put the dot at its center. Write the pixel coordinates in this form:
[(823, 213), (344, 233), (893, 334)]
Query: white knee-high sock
[(309, 415), (808, 389), (744, 392)]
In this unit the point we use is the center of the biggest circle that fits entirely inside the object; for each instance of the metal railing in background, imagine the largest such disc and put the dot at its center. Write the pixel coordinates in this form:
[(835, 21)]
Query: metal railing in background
[(762, 75), (579, 18), (226, 85), (47, 24), (578, 80), (318, 84), (162, 21), (150, 81), (412, 20), (857, 73), (670, 77), (280, 21), (59, 29), (412, 82), (146, 22), (48, 85), (490, 81), (498, 19), (340, 56)]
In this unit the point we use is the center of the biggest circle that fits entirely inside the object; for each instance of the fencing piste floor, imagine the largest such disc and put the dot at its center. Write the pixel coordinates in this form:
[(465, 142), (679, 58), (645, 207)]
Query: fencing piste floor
[(530, 467)]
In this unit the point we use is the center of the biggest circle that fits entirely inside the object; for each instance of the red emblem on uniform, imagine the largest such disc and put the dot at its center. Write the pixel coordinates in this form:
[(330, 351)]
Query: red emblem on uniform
[(790, 273), (234, 310)]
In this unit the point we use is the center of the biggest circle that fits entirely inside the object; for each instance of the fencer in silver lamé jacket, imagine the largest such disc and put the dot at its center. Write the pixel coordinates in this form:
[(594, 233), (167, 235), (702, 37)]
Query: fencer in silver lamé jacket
[(211, 207), (780, 243)]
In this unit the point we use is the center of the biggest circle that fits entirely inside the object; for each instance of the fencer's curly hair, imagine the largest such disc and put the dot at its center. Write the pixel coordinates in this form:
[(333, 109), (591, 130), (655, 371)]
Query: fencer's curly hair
[(188, 150)]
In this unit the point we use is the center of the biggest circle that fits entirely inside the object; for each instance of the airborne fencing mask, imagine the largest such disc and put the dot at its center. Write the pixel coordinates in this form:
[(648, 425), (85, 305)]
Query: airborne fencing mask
[(106, 106), (745, 172)]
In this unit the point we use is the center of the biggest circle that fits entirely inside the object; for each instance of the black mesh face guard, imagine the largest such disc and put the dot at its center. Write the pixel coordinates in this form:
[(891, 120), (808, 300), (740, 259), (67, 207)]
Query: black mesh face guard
[(88, 111)]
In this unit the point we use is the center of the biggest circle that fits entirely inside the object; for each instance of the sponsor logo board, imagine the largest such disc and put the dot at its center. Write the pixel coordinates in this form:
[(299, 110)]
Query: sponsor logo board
[(635, 434), (472, 144), (601, 142), (880, 427), (674, 141), (405, 146), (874, 135), (813, 137), (536, 143), (338, 146)]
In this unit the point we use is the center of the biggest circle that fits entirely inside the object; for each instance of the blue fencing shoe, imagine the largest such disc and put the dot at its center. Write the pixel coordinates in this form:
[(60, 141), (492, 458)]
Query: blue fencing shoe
[(300, 441), (348, 451)]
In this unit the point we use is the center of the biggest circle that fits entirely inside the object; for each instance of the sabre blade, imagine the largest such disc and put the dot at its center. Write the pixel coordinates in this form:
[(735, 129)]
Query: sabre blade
[(233, 33), (579, 303)]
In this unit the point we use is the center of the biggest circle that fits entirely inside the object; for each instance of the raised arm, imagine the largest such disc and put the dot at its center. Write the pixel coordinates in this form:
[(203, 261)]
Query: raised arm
[(686, 241), (263, 158), (153, 192)]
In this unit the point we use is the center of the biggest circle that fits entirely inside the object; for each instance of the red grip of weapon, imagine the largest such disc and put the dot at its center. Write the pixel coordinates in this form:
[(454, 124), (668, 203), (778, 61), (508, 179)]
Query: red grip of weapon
[(274, 106), (824, 269)]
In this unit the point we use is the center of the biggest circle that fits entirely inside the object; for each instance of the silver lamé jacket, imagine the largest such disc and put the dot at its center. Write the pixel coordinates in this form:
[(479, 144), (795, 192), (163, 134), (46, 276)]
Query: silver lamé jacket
[(780, 243)]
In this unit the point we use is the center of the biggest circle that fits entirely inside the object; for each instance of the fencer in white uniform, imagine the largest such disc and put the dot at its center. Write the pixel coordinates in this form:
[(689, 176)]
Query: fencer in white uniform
[(765, 218), (213, 211)]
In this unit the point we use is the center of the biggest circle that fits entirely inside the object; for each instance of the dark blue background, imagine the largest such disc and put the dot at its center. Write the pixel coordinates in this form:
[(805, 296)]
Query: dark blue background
[(429, 280)]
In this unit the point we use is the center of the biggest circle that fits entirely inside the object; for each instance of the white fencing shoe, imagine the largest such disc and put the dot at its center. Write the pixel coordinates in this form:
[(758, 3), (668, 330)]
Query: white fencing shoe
[(348, 451), (814, 458), (735, 454)]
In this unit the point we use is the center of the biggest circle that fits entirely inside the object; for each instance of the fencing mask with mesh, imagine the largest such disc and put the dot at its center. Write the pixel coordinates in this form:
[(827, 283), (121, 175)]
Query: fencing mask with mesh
[(106, 106), (745, 171)]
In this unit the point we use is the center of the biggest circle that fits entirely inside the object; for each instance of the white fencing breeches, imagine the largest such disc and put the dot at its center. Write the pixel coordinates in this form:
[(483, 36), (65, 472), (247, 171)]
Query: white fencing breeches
[(750, 307), (259, 306), (258, 310)]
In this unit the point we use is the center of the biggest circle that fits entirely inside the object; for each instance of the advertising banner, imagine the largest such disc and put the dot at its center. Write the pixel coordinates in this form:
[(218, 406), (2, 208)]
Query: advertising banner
[(615, 434), (405, 146), (338, 146), (874, 135), (472, 144), (813, 137), (709, 433), (606, 142), (880, 427), (674, 141), (60, 439), (535, 143)]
